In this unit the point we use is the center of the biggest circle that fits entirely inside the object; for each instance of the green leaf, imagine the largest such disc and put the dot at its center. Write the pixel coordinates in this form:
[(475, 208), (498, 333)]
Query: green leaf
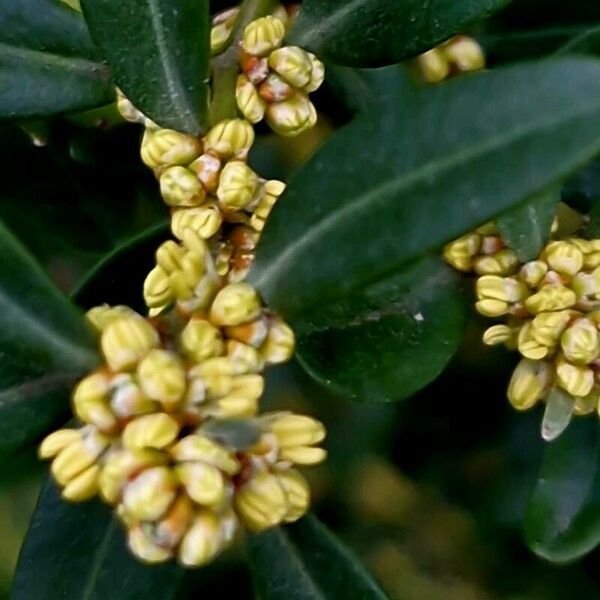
[(158, 51), (526, 229), (387, 341), (587, 42), (48, 63), (305, 561), (45, 346), (563, 517), (78, 551), (372, 33)]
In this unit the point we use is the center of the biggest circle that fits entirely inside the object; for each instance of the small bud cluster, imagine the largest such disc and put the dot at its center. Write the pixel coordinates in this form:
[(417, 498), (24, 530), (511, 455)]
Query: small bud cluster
[(276, 80), (460, 54), (171, 432), (550, 309)]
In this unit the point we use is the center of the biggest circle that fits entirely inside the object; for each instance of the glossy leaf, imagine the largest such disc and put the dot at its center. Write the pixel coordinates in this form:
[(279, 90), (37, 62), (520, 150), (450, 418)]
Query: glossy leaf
[(79, 551), (563, 517), (166, 77), (45, 345), (386, 341), (378, 32), (48, 63), (587, 42), (526, 229), (305, 561)]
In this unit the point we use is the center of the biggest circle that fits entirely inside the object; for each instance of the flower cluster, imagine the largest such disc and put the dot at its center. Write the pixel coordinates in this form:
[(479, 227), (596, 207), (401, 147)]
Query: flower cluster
[(460, 54), (171, 433), (276, 80), (550, 308)]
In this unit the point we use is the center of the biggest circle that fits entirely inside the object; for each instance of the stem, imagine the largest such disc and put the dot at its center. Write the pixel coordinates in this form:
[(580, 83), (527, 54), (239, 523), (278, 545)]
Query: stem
[(225, 67)]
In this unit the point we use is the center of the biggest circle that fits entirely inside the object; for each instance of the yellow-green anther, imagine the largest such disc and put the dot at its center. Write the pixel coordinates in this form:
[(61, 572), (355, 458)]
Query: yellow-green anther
[(200, 340), (198, 448), (587, 404), (165, 147), (269, 195), (100, 316), (433, 65), (162, 377), (461, 252), (261, 502), (157, 288), (291, 117), (180, 187), (150, 494), (529, 347), (295, 430), (156, 431), (169, 256), (580, 342), (263, 35), (533, 272), (564, 257), (297, 493), (465, 53), (127, 340), (504, 262), (204, 483), (547, 327), (144, 548), (293, 64), (587, 288), (496, 334), (205, 539), (235, 304), (529, 383), (577, 380), (230, 138), (90, 402), (552, 297), (233, 407), (82, 487), (238, 186), (222, 27), (57, 441), (497, 294), (251, 105), (279, 345), (317, 75)]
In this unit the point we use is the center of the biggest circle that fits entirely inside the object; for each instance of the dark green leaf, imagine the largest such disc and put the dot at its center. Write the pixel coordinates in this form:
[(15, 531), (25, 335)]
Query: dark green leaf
[(563, 517), (45, 345), (305, 561), (378, 32), (587, 42), (387, 341), (47, 61), (79, 552), (158, 51), (526, 228)]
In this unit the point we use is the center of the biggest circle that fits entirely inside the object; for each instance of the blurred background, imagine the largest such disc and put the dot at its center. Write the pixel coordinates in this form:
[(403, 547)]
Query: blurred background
[(430, 492)]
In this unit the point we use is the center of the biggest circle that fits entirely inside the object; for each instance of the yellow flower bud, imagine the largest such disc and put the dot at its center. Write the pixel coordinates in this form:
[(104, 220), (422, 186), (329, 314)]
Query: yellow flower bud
[(232, 407), (165, 147), (200, 449), (587, 288), (127, 110), (461, 252), (295, 430), (204, 483), (268, 196), (497, 334), (83, 487), (263, 35), (496, 295), (564, 257), (291, 117), (208, 535), (207, 168), (180, 187), (317, 75), (552, 297), (157, 289), (465, 53), (200, 340), (303, 455), (57, 441), (577, 380), (253, 333), (222, 27), (205, 219), (90, 402), (297, 492), (504, 262), (76, 457), (235, 304), (279, 345), (587, 404), (149, 495), (251, 385), (261, 502), (533, 272), (126, 340), (528, 346), (230, 138), (592, 260), (529, 383), (580, 343), (126, 397), (142, 547), (158, 431), (169, 256), (238, 186), (546, 328), (100, 316), (162, 377), (433, 65), (251, 105), (293, 64)]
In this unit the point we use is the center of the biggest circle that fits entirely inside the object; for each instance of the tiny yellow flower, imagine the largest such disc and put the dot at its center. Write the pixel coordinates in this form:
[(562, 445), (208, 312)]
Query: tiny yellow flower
[(251, 105), (291, 117), (82, 487), (263, 35), (464, 53), (433, 65), (533, 272), (235, 304), (268, 196), (497, 295), (564, 257), (279, 345), (148, 496), (90, 402), (230, 138), (461, 252), (297, 492), (261, 502), (165, 147), (547, 327), (204, 483), (162, 377), (529, 347), (222, 27), (100, 316), (141, 545), (504, 262), (577, 380), (497, 334), (180, 187), (293, 64), (246, 358), (156, 431), (529, 383), (200, 449), (580, 342), (552, 297), (200, 340), (127, 340), (238, 186), (317, 75)]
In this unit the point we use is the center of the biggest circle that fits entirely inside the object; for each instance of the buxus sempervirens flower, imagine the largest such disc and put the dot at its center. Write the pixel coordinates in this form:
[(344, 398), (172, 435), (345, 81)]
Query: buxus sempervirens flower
[(460, 54)]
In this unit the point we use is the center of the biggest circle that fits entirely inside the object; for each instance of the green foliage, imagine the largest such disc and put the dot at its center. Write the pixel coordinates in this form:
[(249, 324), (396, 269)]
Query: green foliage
[(166, 77)]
